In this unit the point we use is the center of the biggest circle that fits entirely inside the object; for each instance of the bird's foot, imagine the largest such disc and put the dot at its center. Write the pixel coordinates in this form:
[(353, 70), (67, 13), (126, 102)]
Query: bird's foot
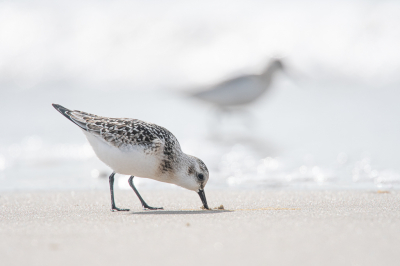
[(113, 209), (147, 207)]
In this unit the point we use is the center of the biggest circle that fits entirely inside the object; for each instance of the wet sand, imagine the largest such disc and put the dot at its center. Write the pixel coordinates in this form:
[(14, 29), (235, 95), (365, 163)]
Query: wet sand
[(256, 228)]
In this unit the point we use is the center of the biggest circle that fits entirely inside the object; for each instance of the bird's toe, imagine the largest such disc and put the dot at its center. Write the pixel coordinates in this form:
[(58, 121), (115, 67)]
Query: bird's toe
[(153, 208), (118, 209)]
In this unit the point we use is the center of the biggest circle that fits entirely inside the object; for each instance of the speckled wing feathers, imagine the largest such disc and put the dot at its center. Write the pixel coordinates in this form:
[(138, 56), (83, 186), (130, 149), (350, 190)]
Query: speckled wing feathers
[(125, 131)]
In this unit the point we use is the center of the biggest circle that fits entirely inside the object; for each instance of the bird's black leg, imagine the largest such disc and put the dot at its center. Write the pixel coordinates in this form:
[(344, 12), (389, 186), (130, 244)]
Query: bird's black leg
[(144, 204), (113, 208)]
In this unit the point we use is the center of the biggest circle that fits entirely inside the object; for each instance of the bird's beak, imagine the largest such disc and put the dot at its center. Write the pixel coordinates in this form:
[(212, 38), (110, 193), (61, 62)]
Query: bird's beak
[(203, 198)]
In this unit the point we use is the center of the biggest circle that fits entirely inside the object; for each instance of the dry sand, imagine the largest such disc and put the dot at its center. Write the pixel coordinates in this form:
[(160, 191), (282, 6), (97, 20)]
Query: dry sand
[(257, 228)]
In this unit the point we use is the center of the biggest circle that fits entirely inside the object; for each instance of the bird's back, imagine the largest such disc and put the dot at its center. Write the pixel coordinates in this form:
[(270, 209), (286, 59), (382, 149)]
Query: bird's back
[(127, 144)]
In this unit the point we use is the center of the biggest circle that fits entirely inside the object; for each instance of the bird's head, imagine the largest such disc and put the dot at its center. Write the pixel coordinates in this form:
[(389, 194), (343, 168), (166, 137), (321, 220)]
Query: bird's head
[(276, 64), (194, 176), (273, 66)]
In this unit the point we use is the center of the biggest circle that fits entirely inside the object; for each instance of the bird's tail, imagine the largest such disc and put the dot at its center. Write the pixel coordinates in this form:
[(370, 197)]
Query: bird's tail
[(70, 115)]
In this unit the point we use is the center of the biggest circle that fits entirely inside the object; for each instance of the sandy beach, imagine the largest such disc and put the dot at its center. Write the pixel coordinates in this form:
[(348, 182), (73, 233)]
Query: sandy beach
[(256, 228)]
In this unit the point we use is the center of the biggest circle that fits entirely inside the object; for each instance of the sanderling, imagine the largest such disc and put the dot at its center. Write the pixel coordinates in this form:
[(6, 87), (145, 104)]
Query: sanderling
[(241, 90), (137, 148)]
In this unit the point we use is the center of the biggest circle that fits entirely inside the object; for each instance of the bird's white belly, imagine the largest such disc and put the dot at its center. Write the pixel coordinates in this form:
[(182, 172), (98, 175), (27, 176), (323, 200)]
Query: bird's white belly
[(240, 92), (129, 160)]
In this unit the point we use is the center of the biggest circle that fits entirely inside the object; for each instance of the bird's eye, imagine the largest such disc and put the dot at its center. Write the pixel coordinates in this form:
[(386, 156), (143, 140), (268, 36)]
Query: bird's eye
[(200, 177)]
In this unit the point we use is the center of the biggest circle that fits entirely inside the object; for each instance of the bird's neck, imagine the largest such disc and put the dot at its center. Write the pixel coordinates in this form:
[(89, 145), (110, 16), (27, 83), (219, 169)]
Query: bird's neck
[(268, 75)]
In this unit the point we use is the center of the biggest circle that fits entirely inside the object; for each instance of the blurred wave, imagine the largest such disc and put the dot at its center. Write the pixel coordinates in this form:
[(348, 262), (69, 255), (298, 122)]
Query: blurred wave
[(182, 44)]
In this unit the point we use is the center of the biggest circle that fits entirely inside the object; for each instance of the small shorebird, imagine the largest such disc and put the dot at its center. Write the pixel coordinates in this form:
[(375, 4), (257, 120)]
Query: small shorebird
[(137, 148), (241, 90)]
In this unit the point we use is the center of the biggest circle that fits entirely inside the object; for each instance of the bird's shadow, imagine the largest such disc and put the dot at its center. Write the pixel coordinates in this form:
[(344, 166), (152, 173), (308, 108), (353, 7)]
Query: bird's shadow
[(161, 212)]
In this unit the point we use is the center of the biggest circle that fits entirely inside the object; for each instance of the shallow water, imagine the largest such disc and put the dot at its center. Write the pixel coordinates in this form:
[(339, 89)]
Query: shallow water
[(291, 139)]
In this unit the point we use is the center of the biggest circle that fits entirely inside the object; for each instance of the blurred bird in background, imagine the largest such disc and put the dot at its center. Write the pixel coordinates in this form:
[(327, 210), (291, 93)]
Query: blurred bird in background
[(231, 98), (242, 90)]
